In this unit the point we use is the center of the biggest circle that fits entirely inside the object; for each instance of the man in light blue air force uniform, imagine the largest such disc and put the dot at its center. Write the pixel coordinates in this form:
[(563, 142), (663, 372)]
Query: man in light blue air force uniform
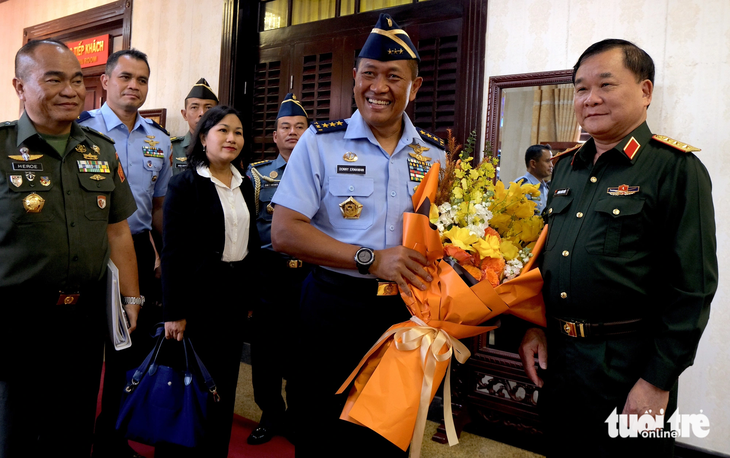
[(144, 151), (280, 287), (340, 205)]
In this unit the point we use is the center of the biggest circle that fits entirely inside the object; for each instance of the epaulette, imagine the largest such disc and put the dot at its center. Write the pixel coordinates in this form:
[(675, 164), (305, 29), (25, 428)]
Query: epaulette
[(568, 152), (94, 131), (83, 116), (330, 126), (174, 139), (264, 162), (432, 139), (675, 144), (152, 121), (8, 123)]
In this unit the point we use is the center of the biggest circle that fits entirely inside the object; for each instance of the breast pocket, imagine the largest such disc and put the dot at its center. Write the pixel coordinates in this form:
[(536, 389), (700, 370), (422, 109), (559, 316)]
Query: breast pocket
[(557, 215), (28, 199), (266, 194), (617, 227), (97, 197), (153, 165), (341, 188)]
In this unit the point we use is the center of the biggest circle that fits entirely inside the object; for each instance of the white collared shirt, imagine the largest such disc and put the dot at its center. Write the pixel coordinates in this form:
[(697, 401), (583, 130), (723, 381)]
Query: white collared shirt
[(235, 213)]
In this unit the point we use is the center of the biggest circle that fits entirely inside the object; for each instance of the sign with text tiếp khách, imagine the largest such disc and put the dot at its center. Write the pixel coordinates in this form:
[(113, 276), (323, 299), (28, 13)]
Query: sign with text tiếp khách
[(91, 51)]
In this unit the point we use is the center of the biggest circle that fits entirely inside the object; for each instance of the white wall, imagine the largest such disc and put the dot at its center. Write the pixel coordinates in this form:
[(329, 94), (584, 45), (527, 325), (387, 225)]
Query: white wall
[(689, 41)]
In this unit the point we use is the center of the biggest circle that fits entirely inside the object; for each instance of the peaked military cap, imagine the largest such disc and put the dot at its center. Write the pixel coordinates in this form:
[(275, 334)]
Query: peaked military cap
[(291, 107), (387, 41), (202, 90)]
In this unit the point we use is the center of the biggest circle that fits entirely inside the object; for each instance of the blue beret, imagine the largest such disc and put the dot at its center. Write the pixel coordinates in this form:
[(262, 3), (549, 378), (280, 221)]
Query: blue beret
[(388, 42), (291, 107)]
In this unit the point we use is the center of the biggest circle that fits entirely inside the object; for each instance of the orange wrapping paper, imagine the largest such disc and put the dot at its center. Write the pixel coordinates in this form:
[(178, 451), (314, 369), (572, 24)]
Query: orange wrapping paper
[(395, 382)]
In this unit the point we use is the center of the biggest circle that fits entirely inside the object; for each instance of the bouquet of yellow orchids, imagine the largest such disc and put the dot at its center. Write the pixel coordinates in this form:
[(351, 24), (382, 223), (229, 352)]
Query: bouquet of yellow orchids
[(480, 240), (488, 229)]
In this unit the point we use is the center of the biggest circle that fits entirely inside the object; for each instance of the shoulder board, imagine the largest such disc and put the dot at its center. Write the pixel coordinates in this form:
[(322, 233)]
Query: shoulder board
[(266, 162), (152, 121), (83, 116), (8, 124), (432, 139), (675, 144), (176, 139), (94, 131), (568, 152), (330, 126)]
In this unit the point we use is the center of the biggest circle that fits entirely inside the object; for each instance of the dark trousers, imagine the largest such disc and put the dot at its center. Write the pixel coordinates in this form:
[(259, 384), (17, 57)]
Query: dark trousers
[(586, 380), (274, 321), (119, 362), (215, 327), (342, 317), (50, 367)]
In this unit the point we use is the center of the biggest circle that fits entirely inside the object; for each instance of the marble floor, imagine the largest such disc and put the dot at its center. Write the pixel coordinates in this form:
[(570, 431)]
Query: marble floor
[(469, 446)]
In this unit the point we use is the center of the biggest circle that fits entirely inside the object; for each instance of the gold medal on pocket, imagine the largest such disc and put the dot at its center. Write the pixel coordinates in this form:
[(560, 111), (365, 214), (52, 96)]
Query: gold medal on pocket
[(33, 203), (351, 208)]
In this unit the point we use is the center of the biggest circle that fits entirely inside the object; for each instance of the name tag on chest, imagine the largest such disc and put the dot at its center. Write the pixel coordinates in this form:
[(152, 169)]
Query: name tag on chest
[(353, 169), (27, 166)]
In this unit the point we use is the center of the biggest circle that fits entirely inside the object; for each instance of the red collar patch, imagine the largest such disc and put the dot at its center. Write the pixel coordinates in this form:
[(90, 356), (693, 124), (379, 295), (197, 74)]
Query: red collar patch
[(631, 148)]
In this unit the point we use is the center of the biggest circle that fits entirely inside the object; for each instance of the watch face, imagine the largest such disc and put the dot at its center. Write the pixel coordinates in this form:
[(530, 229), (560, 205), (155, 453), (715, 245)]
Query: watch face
[(364, 256)]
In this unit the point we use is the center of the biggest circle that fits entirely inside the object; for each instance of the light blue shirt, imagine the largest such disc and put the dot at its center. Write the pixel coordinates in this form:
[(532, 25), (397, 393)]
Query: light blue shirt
[(318, 179), (139, 153), (542, 200)]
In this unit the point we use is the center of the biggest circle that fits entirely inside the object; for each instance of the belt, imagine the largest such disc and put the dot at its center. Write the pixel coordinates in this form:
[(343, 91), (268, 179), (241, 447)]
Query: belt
[(67, 298), (582, 329), (380, 287)]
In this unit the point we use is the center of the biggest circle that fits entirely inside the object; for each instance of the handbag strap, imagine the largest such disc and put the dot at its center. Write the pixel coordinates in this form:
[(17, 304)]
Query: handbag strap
[(139, 372), (207, 378)]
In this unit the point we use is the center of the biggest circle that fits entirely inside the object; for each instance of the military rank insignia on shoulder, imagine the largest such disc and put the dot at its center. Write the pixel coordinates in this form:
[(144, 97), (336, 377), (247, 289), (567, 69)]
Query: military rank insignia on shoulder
[(83, 116), (96, 132), (330, 126), (176, 139), (8, 124), (675, 144), (154, 123), (432, 139), (568, 152), (260, 163)]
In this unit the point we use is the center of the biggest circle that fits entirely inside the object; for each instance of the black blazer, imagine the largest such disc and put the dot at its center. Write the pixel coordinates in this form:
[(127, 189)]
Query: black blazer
[(194, 238)]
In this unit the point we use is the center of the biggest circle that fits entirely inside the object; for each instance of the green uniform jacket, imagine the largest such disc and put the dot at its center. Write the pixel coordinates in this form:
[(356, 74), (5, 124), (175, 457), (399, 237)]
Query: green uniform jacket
[(643, 250), (179, 160), (64, 245)]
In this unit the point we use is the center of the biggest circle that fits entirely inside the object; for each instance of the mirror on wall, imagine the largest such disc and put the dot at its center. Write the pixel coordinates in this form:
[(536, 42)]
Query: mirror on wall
[(527, 109)]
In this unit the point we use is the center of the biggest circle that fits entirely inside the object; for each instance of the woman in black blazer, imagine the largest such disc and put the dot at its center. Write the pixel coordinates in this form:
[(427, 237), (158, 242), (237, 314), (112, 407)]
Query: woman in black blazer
[(208, 261)]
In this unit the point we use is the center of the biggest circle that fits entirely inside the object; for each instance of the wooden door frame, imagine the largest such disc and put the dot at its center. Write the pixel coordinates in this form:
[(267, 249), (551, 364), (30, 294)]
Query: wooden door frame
[(86, 22)]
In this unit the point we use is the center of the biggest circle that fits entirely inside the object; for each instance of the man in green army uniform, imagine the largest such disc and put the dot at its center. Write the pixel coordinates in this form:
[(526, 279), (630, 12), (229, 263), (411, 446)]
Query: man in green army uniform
[(199, 100), (65, 202), (630, 267)]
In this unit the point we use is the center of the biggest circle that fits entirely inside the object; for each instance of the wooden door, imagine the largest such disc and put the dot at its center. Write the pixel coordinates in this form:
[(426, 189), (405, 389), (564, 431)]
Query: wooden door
[(95, 93)]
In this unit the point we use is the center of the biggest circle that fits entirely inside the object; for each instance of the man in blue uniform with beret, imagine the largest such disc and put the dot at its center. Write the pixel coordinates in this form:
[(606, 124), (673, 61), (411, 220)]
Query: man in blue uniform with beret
[(630, 266), (199, 100), (144, 151), (275, 314), (340, 205)]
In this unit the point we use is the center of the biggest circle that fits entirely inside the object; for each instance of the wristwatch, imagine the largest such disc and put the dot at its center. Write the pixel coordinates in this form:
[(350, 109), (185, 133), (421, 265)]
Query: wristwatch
[(131, 300), (364, 259)]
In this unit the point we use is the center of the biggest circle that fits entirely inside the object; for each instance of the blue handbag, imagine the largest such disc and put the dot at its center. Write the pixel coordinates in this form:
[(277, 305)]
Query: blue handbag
[(161, 404)]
